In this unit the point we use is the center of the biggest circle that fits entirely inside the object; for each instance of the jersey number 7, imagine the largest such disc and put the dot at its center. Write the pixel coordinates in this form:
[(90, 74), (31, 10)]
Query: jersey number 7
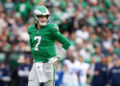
[(38, 38)]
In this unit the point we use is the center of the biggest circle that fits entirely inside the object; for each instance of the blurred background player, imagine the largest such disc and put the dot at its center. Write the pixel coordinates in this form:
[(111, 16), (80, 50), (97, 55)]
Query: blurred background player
[(114, 79), (23, 71), (4, 74), (59, 75), (100, 73), (83, 71)]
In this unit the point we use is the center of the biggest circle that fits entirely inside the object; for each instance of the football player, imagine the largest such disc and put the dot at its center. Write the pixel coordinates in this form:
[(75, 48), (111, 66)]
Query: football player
[(42, 42)]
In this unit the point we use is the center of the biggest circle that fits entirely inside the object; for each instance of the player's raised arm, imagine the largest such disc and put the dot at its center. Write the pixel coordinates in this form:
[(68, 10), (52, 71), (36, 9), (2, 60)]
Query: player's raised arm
[(29, 32)]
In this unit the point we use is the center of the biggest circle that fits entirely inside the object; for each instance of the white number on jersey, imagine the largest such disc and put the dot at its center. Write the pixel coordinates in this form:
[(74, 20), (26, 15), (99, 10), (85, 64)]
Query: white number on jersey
[(38, 38)]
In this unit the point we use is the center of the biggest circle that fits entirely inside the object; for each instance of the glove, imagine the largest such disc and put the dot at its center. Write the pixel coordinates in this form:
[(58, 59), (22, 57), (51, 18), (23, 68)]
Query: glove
[(53, 60), (59, 56)]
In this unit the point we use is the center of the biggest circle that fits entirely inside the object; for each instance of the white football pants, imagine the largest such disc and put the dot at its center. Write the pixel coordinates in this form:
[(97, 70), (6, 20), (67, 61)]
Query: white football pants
[(42, 73)]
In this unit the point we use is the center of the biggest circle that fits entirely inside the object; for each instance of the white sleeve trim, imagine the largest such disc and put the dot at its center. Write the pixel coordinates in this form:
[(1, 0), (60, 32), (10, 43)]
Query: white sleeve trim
[(6, 78), (23, 73)]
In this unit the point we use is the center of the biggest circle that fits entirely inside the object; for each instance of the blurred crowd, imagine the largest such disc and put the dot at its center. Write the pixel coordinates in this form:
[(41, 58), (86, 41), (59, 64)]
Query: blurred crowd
[(92, 26)]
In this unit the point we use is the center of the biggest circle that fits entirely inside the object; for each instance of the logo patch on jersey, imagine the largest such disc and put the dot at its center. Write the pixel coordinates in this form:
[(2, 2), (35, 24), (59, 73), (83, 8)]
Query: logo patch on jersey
[(37, 31)]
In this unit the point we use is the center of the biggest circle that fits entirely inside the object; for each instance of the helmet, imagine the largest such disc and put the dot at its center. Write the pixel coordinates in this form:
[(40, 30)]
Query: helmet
[(41, 10)]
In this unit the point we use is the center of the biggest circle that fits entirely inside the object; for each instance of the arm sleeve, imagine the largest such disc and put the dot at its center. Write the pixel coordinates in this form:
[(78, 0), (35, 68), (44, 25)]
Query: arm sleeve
[(30, 40), (56, 35)]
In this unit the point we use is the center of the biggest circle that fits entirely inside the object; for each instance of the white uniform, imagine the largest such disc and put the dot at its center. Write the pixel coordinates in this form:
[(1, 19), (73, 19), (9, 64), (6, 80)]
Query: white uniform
[(42, 72), (83, 73), (70, 77)]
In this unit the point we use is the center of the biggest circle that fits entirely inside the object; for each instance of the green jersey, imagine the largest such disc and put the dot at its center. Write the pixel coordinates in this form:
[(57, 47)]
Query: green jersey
[(42, 41)]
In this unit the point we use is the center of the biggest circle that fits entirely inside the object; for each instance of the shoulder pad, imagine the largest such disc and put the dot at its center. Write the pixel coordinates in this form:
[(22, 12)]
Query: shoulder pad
[(29, 30), (54, 26)]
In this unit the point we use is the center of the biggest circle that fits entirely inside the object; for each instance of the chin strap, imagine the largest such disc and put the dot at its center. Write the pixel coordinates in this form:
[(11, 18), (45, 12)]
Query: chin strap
[(42, 24)]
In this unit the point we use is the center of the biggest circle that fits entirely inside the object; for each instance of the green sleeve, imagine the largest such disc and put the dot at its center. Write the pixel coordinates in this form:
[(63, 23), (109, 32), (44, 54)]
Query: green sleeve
[(30, 40), (56, 35)]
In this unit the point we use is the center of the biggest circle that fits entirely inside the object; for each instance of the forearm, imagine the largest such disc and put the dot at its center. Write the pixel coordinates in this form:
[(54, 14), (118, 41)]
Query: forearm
[(61, 54), (63, 40)]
